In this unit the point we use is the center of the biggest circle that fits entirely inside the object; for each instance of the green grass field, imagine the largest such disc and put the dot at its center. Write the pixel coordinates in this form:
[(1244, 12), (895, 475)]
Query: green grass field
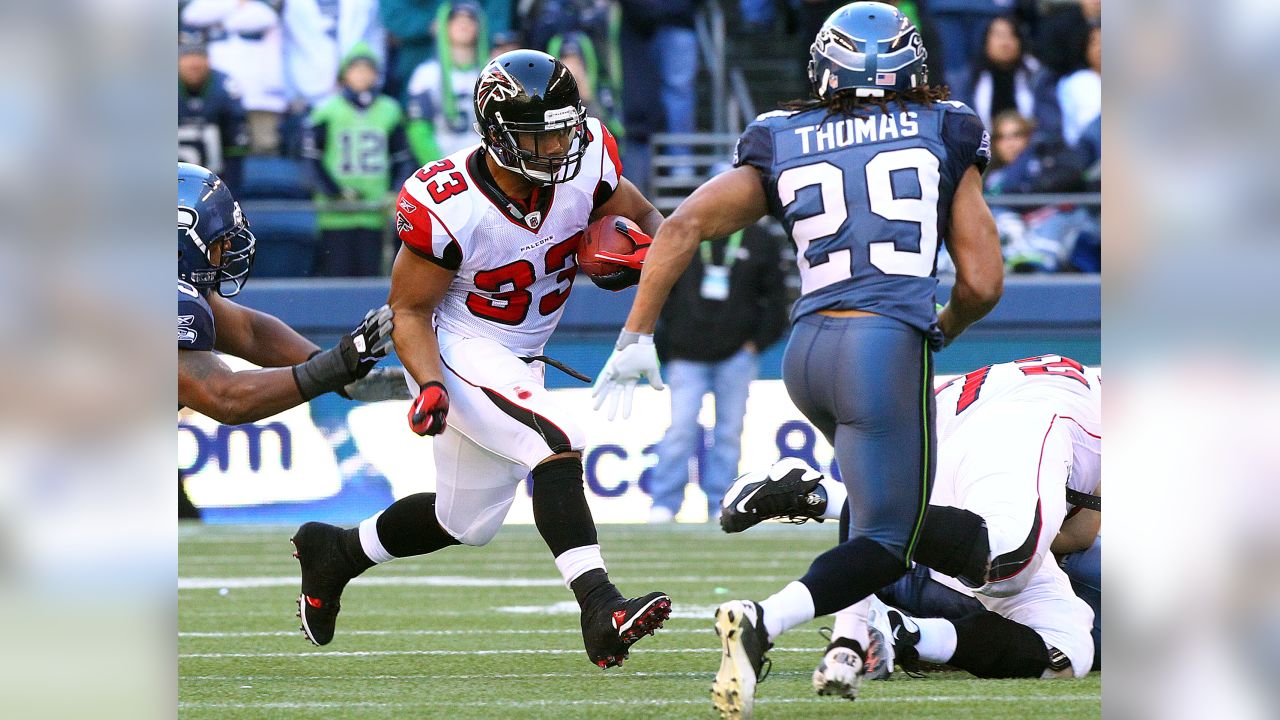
[(491, 633)]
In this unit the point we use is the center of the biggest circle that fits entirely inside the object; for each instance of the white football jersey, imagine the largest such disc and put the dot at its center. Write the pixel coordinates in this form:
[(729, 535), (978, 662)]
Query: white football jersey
[(1055, 384), (515, 265)]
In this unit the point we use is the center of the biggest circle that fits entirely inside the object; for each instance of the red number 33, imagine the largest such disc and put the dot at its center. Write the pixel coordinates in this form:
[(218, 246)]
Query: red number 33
[(441, 192)]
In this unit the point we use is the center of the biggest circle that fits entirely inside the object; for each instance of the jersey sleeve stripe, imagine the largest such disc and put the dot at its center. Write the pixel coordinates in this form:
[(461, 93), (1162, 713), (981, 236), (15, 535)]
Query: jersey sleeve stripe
[(611, 147)]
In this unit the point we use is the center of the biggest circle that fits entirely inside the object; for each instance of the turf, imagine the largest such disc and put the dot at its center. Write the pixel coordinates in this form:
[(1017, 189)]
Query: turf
[(491, 633)]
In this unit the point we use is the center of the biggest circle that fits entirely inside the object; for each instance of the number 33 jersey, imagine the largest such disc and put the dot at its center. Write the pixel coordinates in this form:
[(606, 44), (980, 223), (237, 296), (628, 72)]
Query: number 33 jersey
[(515, 262), (866, 199)]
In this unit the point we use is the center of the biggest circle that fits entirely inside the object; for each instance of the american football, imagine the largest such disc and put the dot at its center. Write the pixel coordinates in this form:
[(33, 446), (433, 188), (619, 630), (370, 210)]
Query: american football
[(605, 236)]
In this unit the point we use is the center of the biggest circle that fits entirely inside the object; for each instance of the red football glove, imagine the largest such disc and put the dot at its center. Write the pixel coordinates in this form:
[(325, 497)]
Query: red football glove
[(635, 258), (426, 414)]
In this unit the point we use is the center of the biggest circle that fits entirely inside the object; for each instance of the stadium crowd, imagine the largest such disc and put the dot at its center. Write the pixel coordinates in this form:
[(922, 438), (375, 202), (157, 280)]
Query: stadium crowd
[(338, 101)]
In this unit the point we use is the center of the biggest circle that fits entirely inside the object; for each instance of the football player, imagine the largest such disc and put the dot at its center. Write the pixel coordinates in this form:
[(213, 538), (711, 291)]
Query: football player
[(215, 255), (490, 235), (867, 177), (1019, 455)]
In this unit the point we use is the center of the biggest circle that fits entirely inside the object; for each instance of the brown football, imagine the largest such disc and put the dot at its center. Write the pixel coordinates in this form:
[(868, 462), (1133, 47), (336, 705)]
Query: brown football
[(604, 235)]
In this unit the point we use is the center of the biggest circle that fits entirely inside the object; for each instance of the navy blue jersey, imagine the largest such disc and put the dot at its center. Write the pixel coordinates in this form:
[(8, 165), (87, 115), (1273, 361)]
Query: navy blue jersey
[(195, 319), (212, 130), (866, 200)]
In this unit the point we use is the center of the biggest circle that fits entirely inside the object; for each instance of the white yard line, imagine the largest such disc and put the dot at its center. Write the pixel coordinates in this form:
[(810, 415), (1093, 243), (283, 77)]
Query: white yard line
[(862, 700), (428, 633), (272, 581)]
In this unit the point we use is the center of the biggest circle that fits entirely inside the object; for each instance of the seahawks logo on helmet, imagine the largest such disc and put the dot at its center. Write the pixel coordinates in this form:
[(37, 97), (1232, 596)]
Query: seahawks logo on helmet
[(188, 218)]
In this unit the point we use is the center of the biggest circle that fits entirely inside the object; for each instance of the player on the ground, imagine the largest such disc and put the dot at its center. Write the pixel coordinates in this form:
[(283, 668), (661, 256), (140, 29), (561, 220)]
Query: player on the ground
[(215, 255), (490, 235), (867, 177), (1020, 447)]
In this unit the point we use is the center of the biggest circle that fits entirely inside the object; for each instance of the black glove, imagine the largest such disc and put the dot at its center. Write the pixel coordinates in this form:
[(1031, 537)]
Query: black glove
[(351, 359)]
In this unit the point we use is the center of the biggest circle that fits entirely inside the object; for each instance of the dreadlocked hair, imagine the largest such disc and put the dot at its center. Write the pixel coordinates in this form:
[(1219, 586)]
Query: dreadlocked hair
[(847, 103)]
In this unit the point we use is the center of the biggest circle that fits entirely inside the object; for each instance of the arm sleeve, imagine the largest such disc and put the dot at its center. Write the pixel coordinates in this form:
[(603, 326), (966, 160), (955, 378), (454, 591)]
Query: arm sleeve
[(313, 147), (402, 163), (195, 322), (966, 140), (425, 234)]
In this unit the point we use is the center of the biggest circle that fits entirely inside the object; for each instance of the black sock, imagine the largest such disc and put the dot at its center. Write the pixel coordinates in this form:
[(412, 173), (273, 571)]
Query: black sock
[(593, 587), (849, 572), (991, 646), (560, 507), (406, 528)]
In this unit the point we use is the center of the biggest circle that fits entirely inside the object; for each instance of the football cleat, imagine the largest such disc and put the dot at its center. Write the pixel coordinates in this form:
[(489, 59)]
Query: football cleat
[(903, 636), (841, 670), (609, 631), (879, 660), (790, 489), (326, 570), (740, 625)]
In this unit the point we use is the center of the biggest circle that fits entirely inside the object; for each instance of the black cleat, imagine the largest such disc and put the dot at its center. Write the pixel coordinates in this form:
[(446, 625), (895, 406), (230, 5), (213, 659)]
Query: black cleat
[(740, 625), (790, 489), (610, 630), (326, 570), (904, 634)]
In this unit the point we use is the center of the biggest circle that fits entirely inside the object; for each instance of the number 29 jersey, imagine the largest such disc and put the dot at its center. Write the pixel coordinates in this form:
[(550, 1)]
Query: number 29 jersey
[(515, 265), (866, 199)]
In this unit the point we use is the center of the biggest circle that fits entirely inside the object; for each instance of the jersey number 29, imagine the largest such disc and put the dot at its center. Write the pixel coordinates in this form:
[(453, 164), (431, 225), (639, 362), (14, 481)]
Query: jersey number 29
[(836, 265)]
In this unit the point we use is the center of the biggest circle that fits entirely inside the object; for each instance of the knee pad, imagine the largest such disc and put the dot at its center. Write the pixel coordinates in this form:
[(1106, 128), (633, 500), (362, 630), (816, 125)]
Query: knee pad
[(954, 542), (991, 646)]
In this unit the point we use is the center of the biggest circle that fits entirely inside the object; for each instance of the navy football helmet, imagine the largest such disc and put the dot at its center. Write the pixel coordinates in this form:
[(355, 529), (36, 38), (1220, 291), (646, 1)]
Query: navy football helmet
[(214, 242), (869, 47), (529, 94)]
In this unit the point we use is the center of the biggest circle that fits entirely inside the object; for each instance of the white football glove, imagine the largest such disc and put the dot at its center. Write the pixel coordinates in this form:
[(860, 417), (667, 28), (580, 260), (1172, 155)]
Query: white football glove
[(634, 357)]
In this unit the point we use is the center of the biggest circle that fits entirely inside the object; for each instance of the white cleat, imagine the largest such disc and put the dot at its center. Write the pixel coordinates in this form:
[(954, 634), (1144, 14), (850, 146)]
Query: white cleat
[(880, 654), (740, 625), (840, 672)]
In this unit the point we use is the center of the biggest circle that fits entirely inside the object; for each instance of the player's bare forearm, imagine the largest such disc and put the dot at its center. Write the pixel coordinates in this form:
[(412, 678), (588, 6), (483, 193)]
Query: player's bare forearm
[(208, 386), (630, 203), (417, 286), (723, 205), (260, 338), (974, 245)]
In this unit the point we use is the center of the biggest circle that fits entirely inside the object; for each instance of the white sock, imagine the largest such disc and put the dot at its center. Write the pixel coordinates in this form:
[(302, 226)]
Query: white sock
[(787, 608), (851, 623), (575, 561), (370, 543), (837, 496), (937, 639)]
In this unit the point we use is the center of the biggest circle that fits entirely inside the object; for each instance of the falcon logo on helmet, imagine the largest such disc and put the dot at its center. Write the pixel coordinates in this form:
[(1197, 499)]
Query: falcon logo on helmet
[(494, 84)]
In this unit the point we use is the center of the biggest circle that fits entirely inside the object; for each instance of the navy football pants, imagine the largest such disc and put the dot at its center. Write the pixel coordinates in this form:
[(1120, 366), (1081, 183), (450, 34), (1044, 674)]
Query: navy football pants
[(866, 383)]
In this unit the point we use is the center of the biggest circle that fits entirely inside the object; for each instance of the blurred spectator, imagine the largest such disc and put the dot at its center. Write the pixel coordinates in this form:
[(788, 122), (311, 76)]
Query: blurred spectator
[(1045, 239), (1021, 165), (1080, 93), (440, 110), (961, 27), (656, 35), (507, 41), (318, 33), (1063, 33), (727, 307), (211, 121), (1008, 78), (358, 150), (541, 20), (244, 38), (411, 31), (578, 53)]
